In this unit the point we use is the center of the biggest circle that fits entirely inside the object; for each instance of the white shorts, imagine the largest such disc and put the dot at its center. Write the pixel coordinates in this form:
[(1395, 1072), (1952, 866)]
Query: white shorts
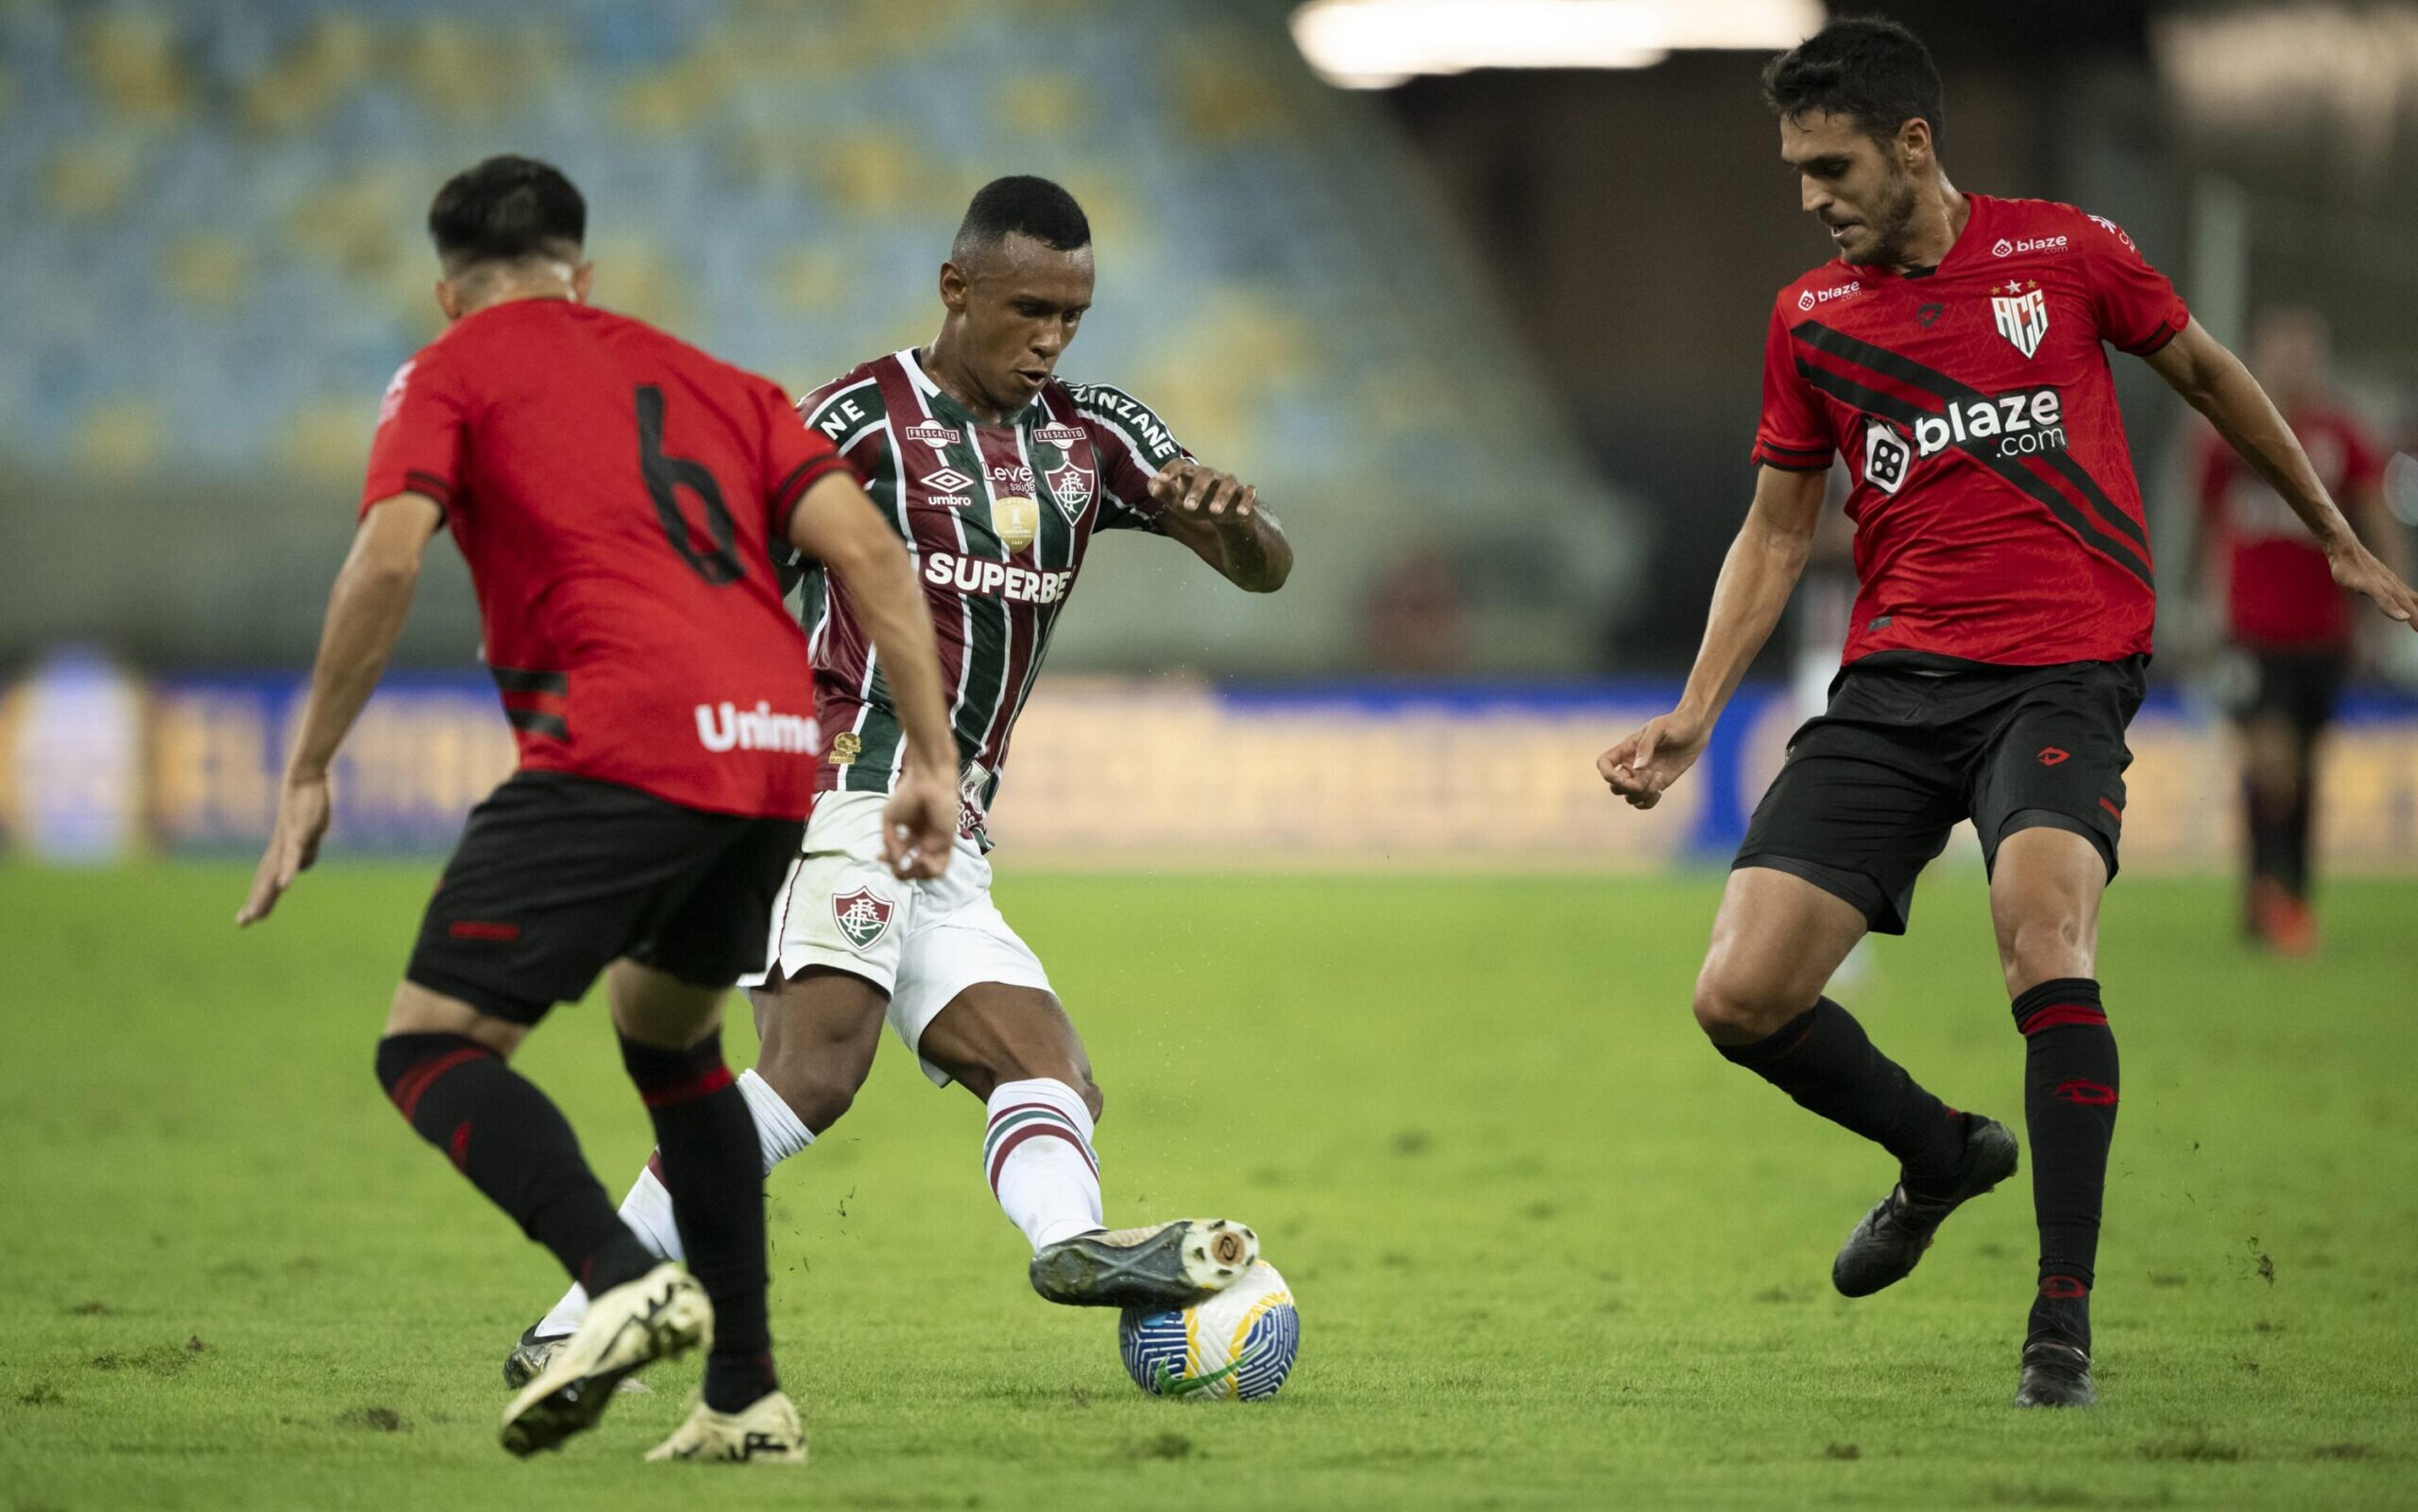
[(921, 942)]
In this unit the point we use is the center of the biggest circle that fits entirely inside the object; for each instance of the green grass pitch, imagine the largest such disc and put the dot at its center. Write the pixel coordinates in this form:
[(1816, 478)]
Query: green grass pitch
[(1551, 1251)]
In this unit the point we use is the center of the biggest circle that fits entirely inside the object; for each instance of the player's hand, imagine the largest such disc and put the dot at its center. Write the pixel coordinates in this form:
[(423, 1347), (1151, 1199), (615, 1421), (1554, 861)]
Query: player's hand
[(1198, 492), (919, 825), (1641, 767), (302, 810), (2357, 569)]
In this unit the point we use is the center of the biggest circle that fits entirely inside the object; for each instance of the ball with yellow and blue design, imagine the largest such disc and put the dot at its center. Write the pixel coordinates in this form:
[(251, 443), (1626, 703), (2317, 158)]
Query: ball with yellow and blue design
[(1237, 1345)]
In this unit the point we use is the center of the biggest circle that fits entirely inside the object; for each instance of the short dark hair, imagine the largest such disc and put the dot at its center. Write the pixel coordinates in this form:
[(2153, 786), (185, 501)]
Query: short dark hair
[(1022, 204), (507, 208), (1868, 68)]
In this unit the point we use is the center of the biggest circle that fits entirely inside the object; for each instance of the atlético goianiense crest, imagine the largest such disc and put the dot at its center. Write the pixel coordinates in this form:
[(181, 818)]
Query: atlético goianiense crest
[(1071, 486), (862, 916), (2022, 310)]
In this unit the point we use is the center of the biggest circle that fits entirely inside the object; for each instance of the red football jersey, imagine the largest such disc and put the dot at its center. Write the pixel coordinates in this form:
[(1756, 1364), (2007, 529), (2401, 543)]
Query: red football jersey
[(616, 492), (1997, 515), (2279, 590)]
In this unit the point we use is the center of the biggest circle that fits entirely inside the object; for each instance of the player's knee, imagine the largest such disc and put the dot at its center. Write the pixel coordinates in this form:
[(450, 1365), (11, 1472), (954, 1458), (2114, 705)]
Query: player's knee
[(1732, 1009), (1088, 1091), (2037, 947), (817, 1088)]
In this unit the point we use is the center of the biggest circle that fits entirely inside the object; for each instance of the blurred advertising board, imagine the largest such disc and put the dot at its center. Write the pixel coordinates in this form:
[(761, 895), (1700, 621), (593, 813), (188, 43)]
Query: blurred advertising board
[(1122, 772)]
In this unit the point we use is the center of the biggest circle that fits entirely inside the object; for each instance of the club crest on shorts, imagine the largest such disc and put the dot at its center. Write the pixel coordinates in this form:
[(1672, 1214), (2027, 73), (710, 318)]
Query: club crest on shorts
[(862, 916), (2023, 315)]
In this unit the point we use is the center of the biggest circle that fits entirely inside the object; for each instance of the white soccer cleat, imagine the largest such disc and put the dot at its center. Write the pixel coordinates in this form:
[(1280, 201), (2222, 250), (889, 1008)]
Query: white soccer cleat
[(660, 1315), (1166, 1265), (766, 1433)]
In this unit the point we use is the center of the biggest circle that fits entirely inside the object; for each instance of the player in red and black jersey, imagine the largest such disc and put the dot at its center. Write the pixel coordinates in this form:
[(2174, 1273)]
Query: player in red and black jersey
[(1952, 356), (616, 493), (2284, 615)]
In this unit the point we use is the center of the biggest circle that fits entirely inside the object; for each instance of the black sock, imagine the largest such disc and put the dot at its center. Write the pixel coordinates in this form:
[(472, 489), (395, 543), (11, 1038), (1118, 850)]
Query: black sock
[(714, 1167), (512, 1143), (1822, 1059), (2270, 824), (2295, 859), (2071, 1086)]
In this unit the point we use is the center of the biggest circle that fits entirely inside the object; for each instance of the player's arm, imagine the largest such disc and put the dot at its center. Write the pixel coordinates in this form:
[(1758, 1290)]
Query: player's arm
[(1222, 519), (2215, 382), (365, 615), (1760, 571), (835, 523)]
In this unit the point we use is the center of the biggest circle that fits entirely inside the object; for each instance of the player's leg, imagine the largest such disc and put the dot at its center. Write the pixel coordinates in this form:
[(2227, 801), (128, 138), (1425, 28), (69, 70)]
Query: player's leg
[(975, 1006), (666, 1006), (819, 1014), (1776, 940), (2045, 894), (443, 1064), (2049, 807), (1863, 803), (2272, 788)]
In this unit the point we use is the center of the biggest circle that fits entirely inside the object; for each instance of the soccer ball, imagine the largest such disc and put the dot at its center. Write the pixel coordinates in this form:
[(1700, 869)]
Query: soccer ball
[(1237, 1345)]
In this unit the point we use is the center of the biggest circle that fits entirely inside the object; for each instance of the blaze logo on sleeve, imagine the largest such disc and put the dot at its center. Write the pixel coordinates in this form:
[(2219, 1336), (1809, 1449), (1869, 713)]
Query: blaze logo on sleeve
[(392, 401), (862, 916)]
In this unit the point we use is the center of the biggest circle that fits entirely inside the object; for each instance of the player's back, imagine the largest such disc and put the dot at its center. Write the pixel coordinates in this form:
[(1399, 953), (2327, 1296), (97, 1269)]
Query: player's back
[(613, 490)]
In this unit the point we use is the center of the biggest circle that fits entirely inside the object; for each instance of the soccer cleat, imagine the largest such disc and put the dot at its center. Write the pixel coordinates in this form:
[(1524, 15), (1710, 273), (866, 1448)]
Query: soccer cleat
[(2056, 1374), (1167, 1265), (529, 1358), (1888, 1244), (765, 1433), (662, 1314)]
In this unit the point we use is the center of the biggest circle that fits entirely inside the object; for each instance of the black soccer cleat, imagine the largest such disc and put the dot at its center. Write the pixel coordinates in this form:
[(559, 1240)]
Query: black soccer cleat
[(2056, 1347), (530, 1356), (1888, 1244), (1166, 1265), (2056, 1374)]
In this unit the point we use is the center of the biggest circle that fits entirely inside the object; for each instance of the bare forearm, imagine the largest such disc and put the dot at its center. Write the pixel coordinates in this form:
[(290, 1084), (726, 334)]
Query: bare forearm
[(1256, 558), (1757, 576), (2219, 386), (365, 617)]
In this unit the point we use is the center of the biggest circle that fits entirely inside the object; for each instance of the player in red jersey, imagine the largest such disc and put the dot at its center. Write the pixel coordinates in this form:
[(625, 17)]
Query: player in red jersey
[(2284, 615), (616, 493), (1952, 354)]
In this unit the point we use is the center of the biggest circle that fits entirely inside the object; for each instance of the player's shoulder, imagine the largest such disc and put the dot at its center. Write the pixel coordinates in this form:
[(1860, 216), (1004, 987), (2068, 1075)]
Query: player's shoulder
[(1818, 288), (1109, 410), (2053, 225), (848, 407)]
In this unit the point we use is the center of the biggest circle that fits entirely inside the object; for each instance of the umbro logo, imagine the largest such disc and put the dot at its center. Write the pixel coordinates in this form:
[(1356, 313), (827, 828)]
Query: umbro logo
[(1929, 314), (947, 480), (2052, 755)]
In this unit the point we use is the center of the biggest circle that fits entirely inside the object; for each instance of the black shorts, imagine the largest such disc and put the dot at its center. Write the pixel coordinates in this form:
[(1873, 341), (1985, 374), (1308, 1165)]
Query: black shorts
[(2301, 686), (557, 877), (1910, 744)]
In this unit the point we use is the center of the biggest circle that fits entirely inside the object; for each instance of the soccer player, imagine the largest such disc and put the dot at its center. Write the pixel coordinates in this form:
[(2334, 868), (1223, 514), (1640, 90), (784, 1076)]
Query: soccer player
[(2284, 612), (1951, 353), (616, 495), (996, 474)]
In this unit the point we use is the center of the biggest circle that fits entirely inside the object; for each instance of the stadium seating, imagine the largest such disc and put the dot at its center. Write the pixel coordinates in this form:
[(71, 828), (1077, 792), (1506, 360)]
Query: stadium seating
[(210, 248)]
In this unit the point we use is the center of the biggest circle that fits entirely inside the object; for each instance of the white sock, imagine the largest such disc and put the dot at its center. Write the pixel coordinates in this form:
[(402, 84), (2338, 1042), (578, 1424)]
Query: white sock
[(1038, 1156), (648, 1208)]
